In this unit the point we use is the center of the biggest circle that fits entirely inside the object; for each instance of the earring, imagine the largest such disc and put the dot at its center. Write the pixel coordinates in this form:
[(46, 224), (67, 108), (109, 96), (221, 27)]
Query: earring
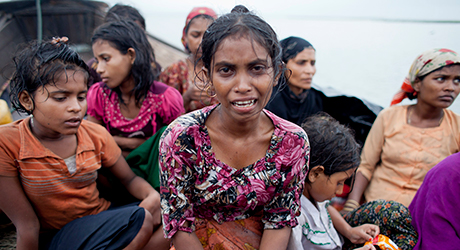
[(207, 92)]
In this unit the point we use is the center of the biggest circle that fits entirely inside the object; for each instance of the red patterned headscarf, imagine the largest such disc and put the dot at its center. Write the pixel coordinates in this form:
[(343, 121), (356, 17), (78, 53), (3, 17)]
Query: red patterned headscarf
[(197, 11), (426, 63)]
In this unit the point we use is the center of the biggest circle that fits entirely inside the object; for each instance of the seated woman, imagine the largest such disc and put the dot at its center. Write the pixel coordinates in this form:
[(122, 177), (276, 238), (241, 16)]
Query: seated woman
[(407, 141), (438, 226), (182, 74), (232, 174), (128, 101), (299, 100)]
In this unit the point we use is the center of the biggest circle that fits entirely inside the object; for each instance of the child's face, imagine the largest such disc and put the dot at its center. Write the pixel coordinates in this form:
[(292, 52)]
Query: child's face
[(195, 33), (327, 187), (113, 66), (60, 108), (242, 77)]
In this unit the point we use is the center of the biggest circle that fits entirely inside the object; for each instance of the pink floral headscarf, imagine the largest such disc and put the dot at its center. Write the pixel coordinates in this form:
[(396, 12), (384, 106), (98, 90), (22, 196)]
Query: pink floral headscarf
[(426, 63)]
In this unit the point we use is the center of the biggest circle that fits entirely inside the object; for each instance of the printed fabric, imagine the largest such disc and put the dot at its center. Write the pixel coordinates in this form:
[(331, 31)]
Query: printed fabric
[(393, 219), (176, 76), (160, 107), (196, 184)]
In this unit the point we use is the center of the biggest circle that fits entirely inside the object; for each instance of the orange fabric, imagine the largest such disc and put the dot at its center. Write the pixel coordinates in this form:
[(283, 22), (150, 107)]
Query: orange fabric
[(240, 234), (406, 88), (57, 196), (397, 156)]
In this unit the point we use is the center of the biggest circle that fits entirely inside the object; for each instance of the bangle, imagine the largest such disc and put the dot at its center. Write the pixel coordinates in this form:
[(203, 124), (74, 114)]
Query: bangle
[(350, 205)]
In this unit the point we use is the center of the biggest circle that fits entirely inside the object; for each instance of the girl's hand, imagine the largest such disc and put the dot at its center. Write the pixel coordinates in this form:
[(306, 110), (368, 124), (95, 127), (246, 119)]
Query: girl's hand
[(361, 234)]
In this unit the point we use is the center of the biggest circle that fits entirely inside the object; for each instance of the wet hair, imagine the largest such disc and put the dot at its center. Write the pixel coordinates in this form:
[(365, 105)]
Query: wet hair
[(123, 35), (332, 144), (124, 12), (196, 17), (40, 64), (241, 23)]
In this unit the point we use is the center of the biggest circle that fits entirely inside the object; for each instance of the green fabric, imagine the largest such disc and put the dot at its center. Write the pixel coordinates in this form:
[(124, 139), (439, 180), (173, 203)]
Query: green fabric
[(144, 160)]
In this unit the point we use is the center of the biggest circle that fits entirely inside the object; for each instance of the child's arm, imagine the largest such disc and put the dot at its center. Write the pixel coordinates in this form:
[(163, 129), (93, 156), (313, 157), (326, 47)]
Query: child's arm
[(357, 235), (186, 240), (275, 238), (128, 144), (139, 188), (14, 203)]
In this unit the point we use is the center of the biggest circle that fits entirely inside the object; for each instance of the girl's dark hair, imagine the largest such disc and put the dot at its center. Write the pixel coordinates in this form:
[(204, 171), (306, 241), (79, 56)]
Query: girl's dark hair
[(240, 22), (40, 64), (123, 35), (195, 17), (124, 12), (332, 144)]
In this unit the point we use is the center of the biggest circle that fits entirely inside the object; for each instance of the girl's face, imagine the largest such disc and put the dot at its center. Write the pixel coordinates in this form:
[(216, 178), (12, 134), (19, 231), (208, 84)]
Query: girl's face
[(113, 66), (59, 108), (195, 33), (242, 77), (323, 187), (303, 69), (439, 88)]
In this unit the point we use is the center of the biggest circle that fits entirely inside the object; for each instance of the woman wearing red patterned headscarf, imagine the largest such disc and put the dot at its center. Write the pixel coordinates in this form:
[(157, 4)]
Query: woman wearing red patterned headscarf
[(408, 140), (182, 75)]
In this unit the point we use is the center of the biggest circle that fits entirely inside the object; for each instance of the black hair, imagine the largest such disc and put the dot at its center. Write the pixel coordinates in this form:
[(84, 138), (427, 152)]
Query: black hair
[(124, 35), (40, 64), (124, 12), (240, 22), (332, 145)]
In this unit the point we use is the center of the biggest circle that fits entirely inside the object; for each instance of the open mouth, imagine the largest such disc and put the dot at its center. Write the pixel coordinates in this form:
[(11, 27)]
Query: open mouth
[(244, 104)]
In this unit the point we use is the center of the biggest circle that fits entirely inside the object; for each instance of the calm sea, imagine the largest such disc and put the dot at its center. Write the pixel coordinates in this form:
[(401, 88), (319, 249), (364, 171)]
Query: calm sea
[(362, 57)]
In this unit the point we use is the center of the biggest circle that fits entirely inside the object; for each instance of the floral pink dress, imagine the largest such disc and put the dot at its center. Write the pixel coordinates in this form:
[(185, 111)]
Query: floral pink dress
[(196, 184), (162, 105)]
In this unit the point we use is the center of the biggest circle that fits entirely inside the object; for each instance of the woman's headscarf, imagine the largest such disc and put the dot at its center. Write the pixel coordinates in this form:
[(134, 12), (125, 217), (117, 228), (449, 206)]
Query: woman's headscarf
[(197, 11), (293, 46), (426, 63)]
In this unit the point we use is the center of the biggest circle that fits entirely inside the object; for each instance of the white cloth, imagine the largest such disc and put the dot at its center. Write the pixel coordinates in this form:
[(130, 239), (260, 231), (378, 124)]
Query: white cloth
[(315, 229)]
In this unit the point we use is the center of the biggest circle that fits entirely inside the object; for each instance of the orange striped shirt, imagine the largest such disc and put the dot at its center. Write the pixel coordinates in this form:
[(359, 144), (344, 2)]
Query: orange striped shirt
[(57, 196)]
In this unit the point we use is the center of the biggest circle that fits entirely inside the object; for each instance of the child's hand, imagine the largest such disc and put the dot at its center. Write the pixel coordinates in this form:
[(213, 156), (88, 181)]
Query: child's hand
[(152, 204), (366, 247), (361, 234)]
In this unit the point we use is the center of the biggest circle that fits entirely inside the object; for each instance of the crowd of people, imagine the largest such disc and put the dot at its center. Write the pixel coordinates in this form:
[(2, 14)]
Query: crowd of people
[(230, 148)]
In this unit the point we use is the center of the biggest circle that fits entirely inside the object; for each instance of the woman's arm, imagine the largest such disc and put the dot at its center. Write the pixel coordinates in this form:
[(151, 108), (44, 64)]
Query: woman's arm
[(357, 235), (275, 238), (139, 188), (360, 185), (14, 203)]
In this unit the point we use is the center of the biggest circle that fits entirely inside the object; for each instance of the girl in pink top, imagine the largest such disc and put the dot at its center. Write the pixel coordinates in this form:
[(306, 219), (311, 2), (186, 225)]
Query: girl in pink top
[(128, 102)]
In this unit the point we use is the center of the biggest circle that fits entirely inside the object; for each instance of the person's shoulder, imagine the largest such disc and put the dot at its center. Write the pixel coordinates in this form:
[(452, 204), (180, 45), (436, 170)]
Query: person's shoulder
[(283, 124), (451, 115), (10, 131)]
